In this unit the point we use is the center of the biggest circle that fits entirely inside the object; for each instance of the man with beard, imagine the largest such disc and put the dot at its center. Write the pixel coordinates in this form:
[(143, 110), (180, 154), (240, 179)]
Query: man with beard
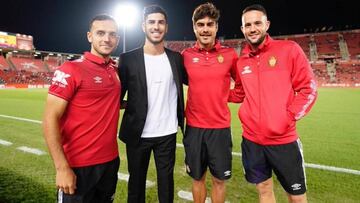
[(207, 139), (152, 76), (277, 87), (81, 119)]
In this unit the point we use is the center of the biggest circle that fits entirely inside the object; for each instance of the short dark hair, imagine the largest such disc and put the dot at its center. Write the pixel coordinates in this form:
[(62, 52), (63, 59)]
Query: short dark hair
[(255, 7), (101, 17), (153, 9), (206, 10)]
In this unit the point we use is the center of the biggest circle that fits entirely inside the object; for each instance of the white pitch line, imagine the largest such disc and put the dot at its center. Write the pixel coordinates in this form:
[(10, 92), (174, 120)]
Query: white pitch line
[(188, 196), (6, 143), (332, 168), (31, 150), (125, 177), (20, 119), (322, 167), (236, 153), (309, 165)]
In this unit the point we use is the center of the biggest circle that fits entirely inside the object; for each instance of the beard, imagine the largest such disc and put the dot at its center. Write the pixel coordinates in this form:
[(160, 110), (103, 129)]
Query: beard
[(257, 42)]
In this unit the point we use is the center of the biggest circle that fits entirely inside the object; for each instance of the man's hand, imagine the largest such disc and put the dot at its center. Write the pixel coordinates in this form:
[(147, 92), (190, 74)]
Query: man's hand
[(66, 180)]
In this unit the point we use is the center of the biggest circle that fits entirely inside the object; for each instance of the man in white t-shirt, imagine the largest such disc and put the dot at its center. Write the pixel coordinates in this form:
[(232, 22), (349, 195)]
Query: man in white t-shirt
[(152, 76)]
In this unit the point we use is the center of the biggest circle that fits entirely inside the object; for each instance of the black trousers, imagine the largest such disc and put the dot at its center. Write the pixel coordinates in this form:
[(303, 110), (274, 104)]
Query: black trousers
[(138, 162), (95, 184)]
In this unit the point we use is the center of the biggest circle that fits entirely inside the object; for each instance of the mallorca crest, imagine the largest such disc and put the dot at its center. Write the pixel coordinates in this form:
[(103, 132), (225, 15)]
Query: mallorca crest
[(220, 58), (272, 61)]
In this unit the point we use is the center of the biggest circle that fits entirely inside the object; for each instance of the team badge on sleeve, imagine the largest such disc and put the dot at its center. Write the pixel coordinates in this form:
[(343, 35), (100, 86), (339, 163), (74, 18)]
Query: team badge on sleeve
[(60, 78)]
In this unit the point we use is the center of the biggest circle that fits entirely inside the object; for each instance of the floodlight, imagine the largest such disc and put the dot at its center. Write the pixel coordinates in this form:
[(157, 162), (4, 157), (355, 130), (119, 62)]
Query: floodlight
[(126, 15)]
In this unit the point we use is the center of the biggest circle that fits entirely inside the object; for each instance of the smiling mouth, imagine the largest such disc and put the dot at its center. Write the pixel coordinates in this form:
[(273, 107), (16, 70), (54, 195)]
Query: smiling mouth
[(253, 36), (106, 46), (156, 34)]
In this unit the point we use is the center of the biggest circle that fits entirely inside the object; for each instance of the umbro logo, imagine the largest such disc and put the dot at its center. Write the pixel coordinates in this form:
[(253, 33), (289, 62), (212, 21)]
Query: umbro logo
[(187, 167), (246, 70), (195, 60), (296, 186), (227, 173), (97, 79)]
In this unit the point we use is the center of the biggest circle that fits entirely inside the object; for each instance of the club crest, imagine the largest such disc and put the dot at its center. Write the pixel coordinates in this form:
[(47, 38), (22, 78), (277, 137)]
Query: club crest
[(220, 58), (272, 61)]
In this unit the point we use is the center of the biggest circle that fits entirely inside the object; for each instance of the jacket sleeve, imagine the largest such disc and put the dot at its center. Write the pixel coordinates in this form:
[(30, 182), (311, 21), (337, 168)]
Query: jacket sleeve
[(237, 94), (184, 73), (123, 79), (303, 83)]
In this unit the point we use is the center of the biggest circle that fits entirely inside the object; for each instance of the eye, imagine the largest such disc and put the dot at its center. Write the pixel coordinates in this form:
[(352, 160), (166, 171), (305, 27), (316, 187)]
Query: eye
[(200, 24), (100, 33), (211, 24), (247, 25), (151, 22), (113, 34)]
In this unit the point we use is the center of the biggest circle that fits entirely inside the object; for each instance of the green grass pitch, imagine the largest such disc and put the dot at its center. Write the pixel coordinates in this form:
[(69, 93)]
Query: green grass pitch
[(330, 135)]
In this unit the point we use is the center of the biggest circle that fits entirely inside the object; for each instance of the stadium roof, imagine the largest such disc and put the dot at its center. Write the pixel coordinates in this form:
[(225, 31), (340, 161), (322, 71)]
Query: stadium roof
[(61, 25)]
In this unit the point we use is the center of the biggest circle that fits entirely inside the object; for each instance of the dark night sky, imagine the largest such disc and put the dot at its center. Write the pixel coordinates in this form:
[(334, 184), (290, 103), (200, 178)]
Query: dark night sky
[(61, 25)]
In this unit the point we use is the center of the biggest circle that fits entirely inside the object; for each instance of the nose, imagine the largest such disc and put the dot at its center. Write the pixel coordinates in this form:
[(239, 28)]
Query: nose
[(252, 28), (156, 26), (107, 37), (205, 29)]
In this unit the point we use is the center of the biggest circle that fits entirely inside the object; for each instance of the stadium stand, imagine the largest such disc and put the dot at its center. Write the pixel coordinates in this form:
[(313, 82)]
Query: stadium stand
[(3, 64), (11, 77), (179, 45), (348, 72), (353, 43), (320, 72), (52, 63), (334, 57), (327, 44), (302, 40), (28, 64)]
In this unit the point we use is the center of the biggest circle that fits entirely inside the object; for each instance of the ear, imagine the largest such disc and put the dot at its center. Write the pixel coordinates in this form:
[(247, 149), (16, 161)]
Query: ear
[(89, 36), (143, 26), (242, 29), (267, 25), (166, 28)]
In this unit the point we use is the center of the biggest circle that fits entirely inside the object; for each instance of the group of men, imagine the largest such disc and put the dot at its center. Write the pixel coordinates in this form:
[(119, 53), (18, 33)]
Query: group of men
[(273, 81)]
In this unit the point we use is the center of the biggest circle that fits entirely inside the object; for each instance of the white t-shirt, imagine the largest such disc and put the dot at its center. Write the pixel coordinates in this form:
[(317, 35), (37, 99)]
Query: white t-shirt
[(161, 117)]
